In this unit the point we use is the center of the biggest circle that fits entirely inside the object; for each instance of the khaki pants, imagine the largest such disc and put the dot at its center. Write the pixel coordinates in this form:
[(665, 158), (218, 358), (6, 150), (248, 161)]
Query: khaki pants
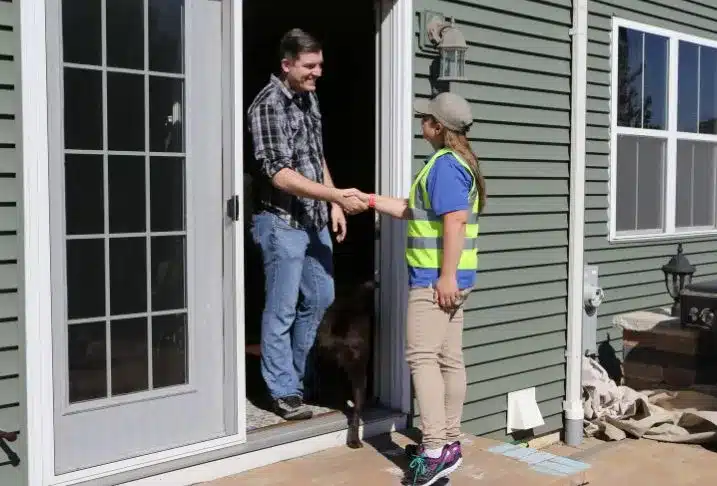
[(434, 351)]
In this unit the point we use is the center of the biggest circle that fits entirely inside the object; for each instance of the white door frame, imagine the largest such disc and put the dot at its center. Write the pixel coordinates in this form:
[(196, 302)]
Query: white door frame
[(394, 150), (395, 86)]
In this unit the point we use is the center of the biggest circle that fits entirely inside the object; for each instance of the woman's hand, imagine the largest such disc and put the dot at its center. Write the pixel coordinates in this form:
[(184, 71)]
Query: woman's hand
[(360, 195), (391, 206), (446, 293), (348, 201)]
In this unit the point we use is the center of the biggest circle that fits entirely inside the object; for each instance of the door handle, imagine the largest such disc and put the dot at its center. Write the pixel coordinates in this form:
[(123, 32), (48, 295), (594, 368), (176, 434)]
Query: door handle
[(233, 208)]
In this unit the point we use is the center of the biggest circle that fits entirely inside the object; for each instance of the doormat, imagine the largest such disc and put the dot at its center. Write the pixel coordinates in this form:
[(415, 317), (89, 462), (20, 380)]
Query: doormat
[(539, 461)]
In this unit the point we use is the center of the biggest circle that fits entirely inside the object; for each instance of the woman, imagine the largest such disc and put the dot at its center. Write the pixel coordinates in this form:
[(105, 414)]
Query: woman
[(442, 213)]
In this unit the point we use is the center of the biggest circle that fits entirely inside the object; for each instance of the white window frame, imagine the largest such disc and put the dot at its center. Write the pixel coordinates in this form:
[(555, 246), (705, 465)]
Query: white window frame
[(671, 135)]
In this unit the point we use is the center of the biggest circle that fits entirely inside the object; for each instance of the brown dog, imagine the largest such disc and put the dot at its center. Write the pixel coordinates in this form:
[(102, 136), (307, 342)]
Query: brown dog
[(343, 351)]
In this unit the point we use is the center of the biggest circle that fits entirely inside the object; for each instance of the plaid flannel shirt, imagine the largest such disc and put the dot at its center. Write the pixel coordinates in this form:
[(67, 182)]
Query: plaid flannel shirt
[(286, 130)]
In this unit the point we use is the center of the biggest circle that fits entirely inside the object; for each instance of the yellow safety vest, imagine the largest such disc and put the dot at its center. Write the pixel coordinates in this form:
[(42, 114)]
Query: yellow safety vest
[(424, 248)]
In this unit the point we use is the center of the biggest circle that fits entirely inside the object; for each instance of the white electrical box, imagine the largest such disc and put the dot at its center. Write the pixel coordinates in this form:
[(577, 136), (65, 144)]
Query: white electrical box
[(593, 296)]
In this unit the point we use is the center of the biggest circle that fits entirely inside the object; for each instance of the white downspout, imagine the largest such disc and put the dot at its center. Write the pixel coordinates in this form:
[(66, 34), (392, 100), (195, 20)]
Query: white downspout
[(572, 405)]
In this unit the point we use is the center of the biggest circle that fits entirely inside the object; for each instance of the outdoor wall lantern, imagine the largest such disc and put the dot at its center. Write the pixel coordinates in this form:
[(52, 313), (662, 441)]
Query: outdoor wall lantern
[(437, 33), (676, 271)]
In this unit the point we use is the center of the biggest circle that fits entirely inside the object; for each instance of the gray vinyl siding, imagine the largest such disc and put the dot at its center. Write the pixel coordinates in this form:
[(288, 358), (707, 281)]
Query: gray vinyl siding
[(11, 414), (518, 65), (630, 273)]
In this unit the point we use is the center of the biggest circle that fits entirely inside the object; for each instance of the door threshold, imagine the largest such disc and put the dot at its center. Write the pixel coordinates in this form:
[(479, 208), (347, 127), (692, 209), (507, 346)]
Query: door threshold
[(288, 423), (263, 447), (326, 423)]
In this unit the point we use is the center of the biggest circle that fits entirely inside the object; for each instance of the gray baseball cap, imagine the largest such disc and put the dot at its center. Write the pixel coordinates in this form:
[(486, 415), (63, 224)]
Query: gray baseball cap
[(452, 110)]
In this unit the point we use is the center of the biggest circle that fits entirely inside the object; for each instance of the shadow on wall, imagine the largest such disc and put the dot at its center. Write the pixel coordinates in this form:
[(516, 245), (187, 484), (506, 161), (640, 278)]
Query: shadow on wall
[(434, 71), (608, 359)]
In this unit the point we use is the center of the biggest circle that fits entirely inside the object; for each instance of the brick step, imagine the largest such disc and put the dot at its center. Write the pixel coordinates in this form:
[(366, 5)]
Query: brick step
[(669, 356)]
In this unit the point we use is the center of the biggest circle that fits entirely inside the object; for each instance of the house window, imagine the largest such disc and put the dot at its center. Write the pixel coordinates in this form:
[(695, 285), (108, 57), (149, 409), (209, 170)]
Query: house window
[(663, 176)]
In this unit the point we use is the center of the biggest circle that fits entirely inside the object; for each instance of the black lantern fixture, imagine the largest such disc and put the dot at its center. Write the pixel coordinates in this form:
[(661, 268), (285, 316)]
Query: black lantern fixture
[(676, 271), (451, 45)]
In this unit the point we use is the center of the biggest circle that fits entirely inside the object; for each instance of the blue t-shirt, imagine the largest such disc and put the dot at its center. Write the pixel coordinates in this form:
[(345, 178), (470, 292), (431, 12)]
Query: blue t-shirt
[(448, 185)]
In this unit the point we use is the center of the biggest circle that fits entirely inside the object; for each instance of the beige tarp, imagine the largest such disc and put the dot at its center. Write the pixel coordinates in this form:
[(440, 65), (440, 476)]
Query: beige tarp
[(670, 416)]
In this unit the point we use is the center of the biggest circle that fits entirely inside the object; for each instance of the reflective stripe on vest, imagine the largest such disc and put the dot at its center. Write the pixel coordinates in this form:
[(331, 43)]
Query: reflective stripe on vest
[(424, 246)]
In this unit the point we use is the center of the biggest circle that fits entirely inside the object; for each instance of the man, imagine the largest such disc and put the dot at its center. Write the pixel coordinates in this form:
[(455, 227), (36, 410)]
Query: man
[(294, 186)]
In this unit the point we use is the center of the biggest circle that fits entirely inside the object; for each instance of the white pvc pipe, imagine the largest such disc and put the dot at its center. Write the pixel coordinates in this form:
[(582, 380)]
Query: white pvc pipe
[(572, 405)]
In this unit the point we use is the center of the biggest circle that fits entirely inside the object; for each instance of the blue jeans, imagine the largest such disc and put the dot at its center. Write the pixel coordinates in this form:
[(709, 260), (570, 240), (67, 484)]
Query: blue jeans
[(299, 288)]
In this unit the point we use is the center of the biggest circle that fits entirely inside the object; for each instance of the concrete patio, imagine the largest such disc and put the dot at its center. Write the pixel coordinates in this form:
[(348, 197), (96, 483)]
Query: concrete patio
[(489, 462)]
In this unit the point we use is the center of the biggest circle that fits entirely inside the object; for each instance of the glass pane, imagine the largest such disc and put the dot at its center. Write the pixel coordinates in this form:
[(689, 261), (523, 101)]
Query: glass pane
[(128, 284), (166, 39), (125, 33), (169, 350), (687, 87), (87, 361), (125, 174), (629, 75), (125, 111), (84, 194), (85, 278), (704, 185), (83, 109), (655, 77), (650, 183), (130, 364), (449, 59), (695, 205), (166, 114), (708, 90), (461, 63), (82, 32), (167, 194), (640, 183), (683, 203), (168, 273), (626, 182)]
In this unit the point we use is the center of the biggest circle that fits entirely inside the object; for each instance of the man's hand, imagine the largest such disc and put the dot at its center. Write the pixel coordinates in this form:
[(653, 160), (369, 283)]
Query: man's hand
[(361, 196), (338, 221), (349, 202), (446, 293), (391, 206)]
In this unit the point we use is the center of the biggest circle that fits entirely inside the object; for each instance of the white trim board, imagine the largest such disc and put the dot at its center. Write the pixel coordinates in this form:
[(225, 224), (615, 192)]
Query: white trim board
[(395, 158), (35, 227), (236, 147), (395, 154), (670, 135)]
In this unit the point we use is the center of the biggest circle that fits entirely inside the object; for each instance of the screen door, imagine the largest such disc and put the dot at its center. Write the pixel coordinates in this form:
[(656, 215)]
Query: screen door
[(137, 227)]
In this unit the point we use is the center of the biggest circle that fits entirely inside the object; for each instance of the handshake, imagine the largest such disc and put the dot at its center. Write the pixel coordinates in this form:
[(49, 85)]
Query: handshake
[(351, 201)]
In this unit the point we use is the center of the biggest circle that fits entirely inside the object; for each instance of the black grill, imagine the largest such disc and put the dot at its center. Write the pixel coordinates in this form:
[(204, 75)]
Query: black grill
[(698, 305)]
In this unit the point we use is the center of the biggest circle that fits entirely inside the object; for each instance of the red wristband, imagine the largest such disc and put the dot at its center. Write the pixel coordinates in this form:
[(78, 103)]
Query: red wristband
[(372, 200)]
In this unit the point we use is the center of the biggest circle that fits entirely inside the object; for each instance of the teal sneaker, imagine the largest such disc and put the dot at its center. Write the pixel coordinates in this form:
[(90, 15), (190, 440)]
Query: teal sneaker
[(424, 471)]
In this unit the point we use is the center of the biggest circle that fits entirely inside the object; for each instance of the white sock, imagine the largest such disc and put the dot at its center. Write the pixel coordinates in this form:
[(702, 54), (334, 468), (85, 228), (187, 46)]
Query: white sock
[(434, 453)]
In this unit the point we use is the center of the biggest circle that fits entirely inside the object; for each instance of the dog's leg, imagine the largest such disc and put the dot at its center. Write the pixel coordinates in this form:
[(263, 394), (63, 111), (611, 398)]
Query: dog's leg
[(310, 378), (358, 388)]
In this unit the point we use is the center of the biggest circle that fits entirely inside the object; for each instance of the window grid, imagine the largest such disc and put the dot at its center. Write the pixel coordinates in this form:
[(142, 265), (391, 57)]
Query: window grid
[(143, 234), (147, 202), (642, 88), (107, 236), (106, 195), (699, 87), (671, 135), (121, 70), (120, 317)]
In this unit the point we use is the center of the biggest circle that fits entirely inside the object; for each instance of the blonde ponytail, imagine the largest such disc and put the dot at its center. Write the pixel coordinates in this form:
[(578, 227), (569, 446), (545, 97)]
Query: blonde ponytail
[(458, 142)]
